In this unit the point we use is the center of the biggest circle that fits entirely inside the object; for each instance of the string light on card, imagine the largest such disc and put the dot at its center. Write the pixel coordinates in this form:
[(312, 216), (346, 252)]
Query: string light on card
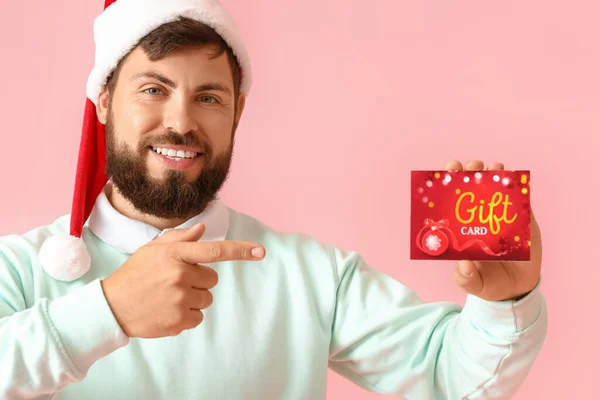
[(447, 179)]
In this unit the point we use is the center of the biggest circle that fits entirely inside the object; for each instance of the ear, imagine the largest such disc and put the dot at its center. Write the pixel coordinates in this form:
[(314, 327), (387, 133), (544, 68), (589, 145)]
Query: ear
[(102, 105), (240, 109)]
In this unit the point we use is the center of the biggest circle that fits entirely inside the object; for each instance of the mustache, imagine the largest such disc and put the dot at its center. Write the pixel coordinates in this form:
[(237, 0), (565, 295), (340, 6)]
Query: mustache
[(189, 139)]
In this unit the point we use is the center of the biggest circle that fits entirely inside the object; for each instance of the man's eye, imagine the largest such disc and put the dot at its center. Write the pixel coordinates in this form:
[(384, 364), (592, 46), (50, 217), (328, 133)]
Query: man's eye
[(153, 91), (208, 99)]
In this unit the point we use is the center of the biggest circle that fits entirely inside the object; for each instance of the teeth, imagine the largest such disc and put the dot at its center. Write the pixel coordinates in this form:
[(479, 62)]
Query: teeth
[(173, 154)]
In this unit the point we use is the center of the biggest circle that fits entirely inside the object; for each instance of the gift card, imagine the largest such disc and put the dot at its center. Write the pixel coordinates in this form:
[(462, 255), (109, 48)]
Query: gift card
[(466, 215)]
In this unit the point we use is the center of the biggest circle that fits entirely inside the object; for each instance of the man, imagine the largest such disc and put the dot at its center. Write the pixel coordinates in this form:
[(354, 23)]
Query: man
[(115, 300)]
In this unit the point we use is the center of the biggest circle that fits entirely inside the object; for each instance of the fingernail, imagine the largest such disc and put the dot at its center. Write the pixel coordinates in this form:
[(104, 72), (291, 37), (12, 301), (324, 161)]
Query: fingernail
[(257, 252)]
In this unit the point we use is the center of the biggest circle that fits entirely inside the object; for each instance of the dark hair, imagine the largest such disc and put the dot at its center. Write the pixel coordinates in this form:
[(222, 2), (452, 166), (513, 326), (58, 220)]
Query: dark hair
[(181, 33)]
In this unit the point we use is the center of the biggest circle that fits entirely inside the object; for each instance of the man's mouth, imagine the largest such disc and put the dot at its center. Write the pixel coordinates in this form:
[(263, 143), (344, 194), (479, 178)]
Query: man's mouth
[(175, 155)]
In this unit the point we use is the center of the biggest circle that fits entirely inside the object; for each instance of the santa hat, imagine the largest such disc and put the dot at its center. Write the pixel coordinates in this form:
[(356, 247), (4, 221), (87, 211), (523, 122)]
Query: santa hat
[(116, 31)]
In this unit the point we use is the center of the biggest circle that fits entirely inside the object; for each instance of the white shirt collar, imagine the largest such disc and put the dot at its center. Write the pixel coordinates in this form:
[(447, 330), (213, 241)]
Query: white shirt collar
[(128, 235)]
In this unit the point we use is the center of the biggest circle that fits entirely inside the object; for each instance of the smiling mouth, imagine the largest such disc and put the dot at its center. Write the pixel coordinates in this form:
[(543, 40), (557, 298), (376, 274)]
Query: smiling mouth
[(175, 155)]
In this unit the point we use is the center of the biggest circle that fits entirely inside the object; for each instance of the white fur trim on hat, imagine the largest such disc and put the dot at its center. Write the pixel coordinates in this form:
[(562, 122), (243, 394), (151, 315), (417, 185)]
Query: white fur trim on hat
[(123, 24), (65, 257)]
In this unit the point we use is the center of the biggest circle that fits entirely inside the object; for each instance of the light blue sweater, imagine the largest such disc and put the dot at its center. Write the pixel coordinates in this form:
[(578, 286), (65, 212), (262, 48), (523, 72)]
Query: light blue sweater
[(274, 329)]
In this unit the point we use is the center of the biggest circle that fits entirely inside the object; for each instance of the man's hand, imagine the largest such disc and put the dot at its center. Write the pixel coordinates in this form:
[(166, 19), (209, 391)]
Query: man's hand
[(162, 288), (499, 280)]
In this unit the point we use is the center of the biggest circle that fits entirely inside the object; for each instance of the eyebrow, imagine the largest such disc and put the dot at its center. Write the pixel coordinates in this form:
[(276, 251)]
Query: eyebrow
[(163, 79)]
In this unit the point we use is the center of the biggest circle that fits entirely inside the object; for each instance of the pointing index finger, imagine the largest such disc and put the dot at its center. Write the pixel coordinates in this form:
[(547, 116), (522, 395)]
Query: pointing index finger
[(224, 250)]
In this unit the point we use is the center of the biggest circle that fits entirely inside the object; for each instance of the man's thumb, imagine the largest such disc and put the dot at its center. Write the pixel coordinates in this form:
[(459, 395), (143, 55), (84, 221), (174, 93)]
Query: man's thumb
[(192, 234), (467, 276)]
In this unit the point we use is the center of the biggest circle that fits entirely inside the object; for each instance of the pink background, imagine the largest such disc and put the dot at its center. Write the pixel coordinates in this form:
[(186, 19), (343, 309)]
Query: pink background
[(348, 99)]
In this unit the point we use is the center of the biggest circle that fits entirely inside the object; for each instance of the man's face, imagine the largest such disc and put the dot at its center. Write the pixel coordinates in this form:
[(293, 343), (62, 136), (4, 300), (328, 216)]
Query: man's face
[(169, 130)]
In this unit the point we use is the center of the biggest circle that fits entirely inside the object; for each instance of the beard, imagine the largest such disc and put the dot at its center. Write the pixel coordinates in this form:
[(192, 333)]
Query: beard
[(172, 196)]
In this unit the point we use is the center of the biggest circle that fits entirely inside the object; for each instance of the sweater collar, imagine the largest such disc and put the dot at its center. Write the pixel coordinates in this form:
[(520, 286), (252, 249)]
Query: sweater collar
[(128, 235)]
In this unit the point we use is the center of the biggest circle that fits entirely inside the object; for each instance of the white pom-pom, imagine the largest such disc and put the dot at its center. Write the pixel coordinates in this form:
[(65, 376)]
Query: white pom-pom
[(65, 257)]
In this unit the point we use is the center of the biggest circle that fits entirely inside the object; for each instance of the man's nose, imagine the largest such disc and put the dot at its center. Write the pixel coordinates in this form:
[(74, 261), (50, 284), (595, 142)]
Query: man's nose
[(180, 117)]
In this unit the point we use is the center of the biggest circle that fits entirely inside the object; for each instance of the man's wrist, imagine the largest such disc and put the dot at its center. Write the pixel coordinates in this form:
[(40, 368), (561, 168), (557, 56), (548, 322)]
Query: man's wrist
[(519, 297)]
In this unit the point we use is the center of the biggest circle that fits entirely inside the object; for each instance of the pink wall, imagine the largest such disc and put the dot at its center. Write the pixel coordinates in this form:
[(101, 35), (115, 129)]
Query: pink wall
[(347, 100)]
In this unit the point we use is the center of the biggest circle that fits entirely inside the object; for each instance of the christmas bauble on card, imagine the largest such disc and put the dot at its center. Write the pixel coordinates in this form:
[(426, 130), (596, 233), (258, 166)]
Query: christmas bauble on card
[(435, 243), (467, 215)]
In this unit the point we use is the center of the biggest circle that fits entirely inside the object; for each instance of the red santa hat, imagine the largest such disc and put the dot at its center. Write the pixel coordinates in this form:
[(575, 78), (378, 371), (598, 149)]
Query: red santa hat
[(116, 32)]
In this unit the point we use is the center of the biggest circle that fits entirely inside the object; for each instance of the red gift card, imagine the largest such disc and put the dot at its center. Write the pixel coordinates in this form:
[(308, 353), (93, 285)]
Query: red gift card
[(467, 215)]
